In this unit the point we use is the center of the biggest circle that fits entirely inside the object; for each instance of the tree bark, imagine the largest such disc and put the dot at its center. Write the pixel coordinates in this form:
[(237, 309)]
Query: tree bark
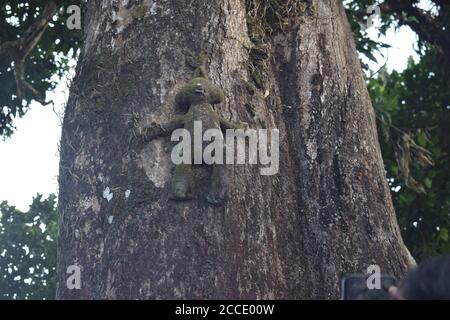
[(292, 235)]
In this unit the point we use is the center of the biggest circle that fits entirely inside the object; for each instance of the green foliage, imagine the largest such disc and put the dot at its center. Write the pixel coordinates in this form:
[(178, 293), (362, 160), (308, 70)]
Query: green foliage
[(413, 113), (28, 250), (415, 106), (357, 15), (49, 57)]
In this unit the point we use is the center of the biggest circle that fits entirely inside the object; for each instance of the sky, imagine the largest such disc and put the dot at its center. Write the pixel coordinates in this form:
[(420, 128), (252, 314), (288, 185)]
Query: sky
[(29, 159)]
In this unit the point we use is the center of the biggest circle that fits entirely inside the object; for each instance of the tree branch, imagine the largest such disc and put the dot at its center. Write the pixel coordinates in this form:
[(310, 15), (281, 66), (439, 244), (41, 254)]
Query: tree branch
[(19, 49), (425, 25)]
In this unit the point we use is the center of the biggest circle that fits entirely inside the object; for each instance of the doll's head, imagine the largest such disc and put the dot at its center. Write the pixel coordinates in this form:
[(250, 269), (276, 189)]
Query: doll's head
[(198, 90)]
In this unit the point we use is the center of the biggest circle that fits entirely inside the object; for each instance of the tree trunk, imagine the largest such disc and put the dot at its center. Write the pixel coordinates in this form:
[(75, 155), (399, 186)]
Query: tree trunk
[(292, 235)]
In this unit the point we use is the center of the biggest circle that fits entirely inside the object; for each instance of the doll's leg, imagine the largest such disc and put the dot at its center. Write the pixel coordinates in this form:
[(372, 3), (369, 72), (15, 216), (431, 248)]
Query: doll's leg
[(181, 183), (219, 185)]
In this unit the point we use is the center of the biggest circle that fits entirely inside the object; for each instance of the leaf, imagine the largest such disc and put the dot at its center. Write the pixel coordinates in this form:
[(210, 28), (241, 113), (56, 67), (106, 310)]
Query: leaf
[(421, 139), (414, 185), (428, 182), (394, 169), (443, 234)]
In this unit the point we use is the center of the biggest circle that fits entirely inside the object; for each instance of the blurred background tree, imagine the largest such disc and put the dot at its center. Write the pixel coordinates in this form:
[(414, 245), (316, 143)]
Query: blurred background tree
[(414, 128), (412, 108), (35, 44), (28, 250), (413, 113)]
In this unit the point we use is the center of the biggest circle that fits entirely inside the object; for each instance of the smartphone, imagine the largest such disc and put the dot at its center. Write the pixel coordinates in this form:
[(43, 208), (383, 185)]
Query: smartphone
[(354, 287)]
